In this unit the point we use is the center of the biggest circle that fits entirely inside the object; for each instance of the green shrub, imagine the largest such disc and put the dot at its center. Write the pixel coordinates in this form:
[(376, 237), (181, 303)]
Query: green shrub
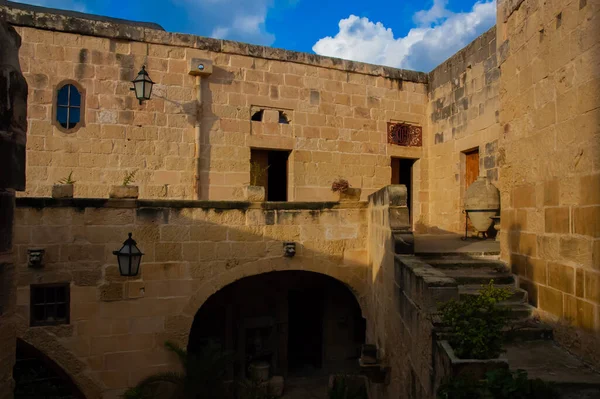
[(498, 384), (476, 323)]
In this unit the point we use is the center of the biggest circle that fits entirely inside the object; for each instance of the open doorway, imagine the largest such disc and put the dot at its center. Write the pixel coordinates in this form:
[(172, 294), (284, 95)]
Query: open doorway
[(402, 173), (271, 171), (305, 341)]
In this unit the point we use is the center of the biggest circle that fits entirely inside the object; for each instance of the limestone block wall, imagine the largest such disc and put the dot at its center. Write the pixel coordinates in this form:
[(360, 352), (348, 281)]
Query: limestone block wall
[(337, 112), (550, 145), (403, 292), (192, 249), (462, 116)]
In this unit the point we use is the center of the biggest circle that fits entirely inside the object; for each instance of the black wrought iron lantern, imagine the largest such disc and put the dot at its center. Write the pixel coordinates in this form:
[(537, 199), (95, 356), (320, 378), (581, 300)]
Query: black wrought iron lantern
[(142, 85), (129, 258)]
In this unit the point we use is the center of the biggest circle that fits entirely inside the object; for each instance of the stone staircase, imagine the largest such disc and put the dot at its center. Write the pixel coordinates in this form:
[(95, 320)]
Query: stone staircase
[(529, 342)]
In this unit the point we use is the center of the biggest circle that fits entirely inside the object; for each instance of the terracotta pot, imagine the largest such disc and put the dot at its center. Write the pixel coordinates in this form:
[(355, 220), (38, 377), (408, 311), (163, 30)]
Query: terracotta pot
[(351, 194), (124, 192), (482, 201), (62, 191)]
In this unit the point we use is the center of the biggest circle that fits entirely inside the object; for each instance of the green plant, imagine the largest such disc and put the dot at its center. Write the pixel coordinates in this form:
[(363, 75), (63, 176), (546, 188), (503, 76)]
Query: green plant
[(257, 172), (476, 323), (340, 185), (462, 388), (67, 180), (498, 384), (506, 384), (342, 390), (129, 177), (202, 376)]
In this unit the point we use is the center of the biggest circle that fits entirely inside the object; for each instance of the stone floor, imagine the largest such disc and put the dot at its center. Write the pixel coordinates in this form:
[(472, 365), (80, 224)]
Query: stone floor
[(306, 388), (453, 243), (549, 362)]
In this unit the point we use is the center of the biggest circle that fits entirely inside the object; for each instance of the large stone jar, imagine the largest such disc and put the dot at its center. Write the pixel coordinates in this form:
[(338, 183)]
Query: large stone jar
[(482, 201)]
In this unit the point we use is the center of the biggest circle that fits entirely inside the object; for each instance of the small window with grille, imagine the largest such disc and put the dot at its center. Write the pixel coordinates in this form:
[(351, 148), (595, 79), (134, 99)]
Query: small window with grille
[(49, 304)]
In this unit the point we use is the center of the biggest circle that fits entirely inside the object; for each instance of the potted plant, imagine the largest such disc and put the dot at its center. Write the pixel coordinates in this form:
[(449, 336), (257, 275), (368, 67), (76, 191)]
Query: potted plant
[(347, 193), (64, 187), (474, 327), (125, 190), (255, 192)]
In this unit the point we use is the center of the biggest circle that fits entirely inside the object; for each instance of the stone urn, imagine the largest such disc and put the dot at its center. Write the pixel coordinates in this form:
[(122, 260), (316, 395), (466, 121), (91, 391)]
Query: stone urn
[(482, 202), (255, 193), (124, 192), (350, 195), (62, 191)]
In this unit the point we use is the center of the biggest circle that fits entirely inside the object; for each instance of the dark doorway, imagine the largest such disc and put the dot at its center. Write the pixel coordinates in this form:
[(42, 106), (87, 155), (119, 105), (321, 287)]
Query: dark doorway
[(37, 376), (402, 170), (271, 171), (305, 341)]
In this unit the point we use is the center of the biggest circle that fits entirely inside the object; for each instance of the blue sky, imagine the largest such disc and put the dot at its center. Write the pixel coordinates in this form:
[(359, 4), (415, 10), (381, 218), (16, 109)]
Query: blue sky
[(405, 34)]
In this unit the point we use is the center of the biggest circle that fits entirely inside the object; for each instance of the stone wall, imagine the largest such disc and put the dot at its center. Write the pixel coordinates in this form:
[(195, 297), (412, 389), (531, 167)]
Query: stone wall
[(13, 138), (550, 149), (192, 249), (404, 291), (463, 115), (337, 112)]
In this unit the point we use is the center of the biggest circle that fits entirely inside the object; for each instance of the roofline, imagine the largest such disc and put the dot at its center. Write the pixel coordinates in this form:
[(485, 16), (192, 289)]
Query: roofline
[(112, 28)]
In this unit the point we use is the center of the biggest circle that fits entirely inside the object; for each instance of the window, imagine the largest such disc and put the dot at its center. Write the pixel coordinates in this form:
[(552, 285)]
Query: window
[(49, 304), (69, 108)]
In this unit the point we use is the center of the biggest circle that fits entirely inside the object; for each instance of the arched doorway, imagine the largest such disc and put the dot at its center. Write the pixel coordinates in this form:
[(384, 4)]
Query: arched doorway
[(38, 376), (302, 323)]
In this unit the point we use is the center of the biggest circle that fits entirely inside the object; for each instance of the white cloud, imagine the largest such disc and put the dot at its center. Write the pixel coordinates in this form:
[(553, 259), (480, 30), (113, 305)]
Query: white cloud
[(240, 20), (439, 34)]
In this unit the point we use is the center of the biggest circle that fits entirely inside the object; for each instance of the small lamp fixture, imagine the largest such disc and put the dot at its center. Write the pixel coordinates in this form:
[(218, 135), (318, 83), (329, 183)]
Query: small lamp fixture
[(35, 258), (289, 249), (129, 258), (142, 85)]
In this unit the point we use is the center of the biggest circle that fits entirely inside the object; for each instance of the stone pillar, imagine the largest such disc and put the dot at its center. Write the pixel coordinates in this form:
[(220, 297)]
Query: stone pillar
[(13, 129)]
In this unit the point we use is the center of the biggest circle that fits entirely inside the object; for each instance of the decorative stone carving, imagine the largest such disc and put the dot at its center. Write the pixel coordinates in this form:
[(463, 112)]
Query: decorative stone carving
[(13, 111), (482, 202)]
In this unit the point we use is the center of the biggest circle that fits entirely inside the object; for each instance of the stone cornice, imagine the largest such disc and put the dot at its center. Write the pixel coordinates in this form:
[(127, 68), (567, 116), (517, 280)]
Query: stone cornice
[(91, 25), (82, 203)]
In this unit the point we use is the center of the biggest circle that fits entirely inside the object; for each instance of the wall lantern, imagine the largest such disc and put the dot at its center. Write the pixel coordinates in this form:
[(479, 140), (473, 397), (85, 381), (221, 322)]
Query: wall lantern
[(142, 85), (129, 257)]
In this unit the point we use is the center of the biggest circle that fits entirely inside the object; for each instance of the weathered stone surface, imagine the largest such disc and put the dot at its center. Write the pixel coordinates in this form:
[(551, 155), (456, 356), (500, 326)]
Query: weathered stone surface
[(61, 191), (13, 111)]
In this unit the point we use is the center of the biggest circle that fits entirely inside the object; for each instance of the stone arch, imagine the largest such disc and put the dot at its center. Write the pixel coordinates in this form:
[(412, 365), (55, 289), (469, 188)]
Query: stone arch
[(353, 277), (47, 344)]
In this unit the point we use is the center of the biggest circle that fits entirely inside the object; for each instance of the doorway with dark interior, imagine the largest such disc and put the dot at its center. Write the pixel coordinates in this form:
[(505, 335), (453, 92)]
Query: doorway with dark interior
[(471, 172), (270, 170), (305, 339), (402, 173)]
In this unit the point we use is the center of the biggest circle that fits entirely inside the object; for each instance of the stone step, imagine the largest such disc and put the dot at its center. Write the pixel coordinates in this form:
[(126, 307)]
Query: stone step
[(545, 360), (487, 255), (449, 264), (519, 295), (479, 276)]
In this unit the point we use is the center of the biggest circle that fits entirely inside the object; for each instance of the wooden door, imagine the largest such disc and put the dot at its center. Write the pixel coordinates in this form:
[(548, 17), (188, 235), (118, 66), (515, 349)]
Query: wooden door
[(471, 174), (471, 167)]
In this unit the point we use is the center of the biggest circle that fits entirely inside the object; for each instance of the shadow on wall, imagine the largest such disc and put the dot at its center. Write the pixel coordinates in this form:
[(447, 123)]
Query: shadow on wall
[(190, 253), (558, 298), (200, 114)]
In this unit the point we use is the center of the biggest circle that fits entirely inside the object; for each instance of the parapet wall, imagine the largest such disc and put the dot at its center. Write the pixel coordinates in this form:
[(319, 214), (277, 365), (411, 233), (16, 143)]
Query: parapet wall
[(191, 250)]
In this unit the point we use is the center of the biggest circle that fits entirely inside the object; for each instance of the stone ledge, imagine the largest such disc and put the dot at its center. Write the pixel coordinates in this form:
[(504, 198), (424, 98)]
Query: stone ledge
[(46, 202), (91, 25), (422, 283)]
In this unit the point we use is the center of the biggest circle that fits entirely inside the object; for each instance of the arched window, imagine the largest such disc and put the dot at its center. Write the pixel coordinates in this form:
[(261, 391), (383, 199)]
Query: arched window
[(69, 106)]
